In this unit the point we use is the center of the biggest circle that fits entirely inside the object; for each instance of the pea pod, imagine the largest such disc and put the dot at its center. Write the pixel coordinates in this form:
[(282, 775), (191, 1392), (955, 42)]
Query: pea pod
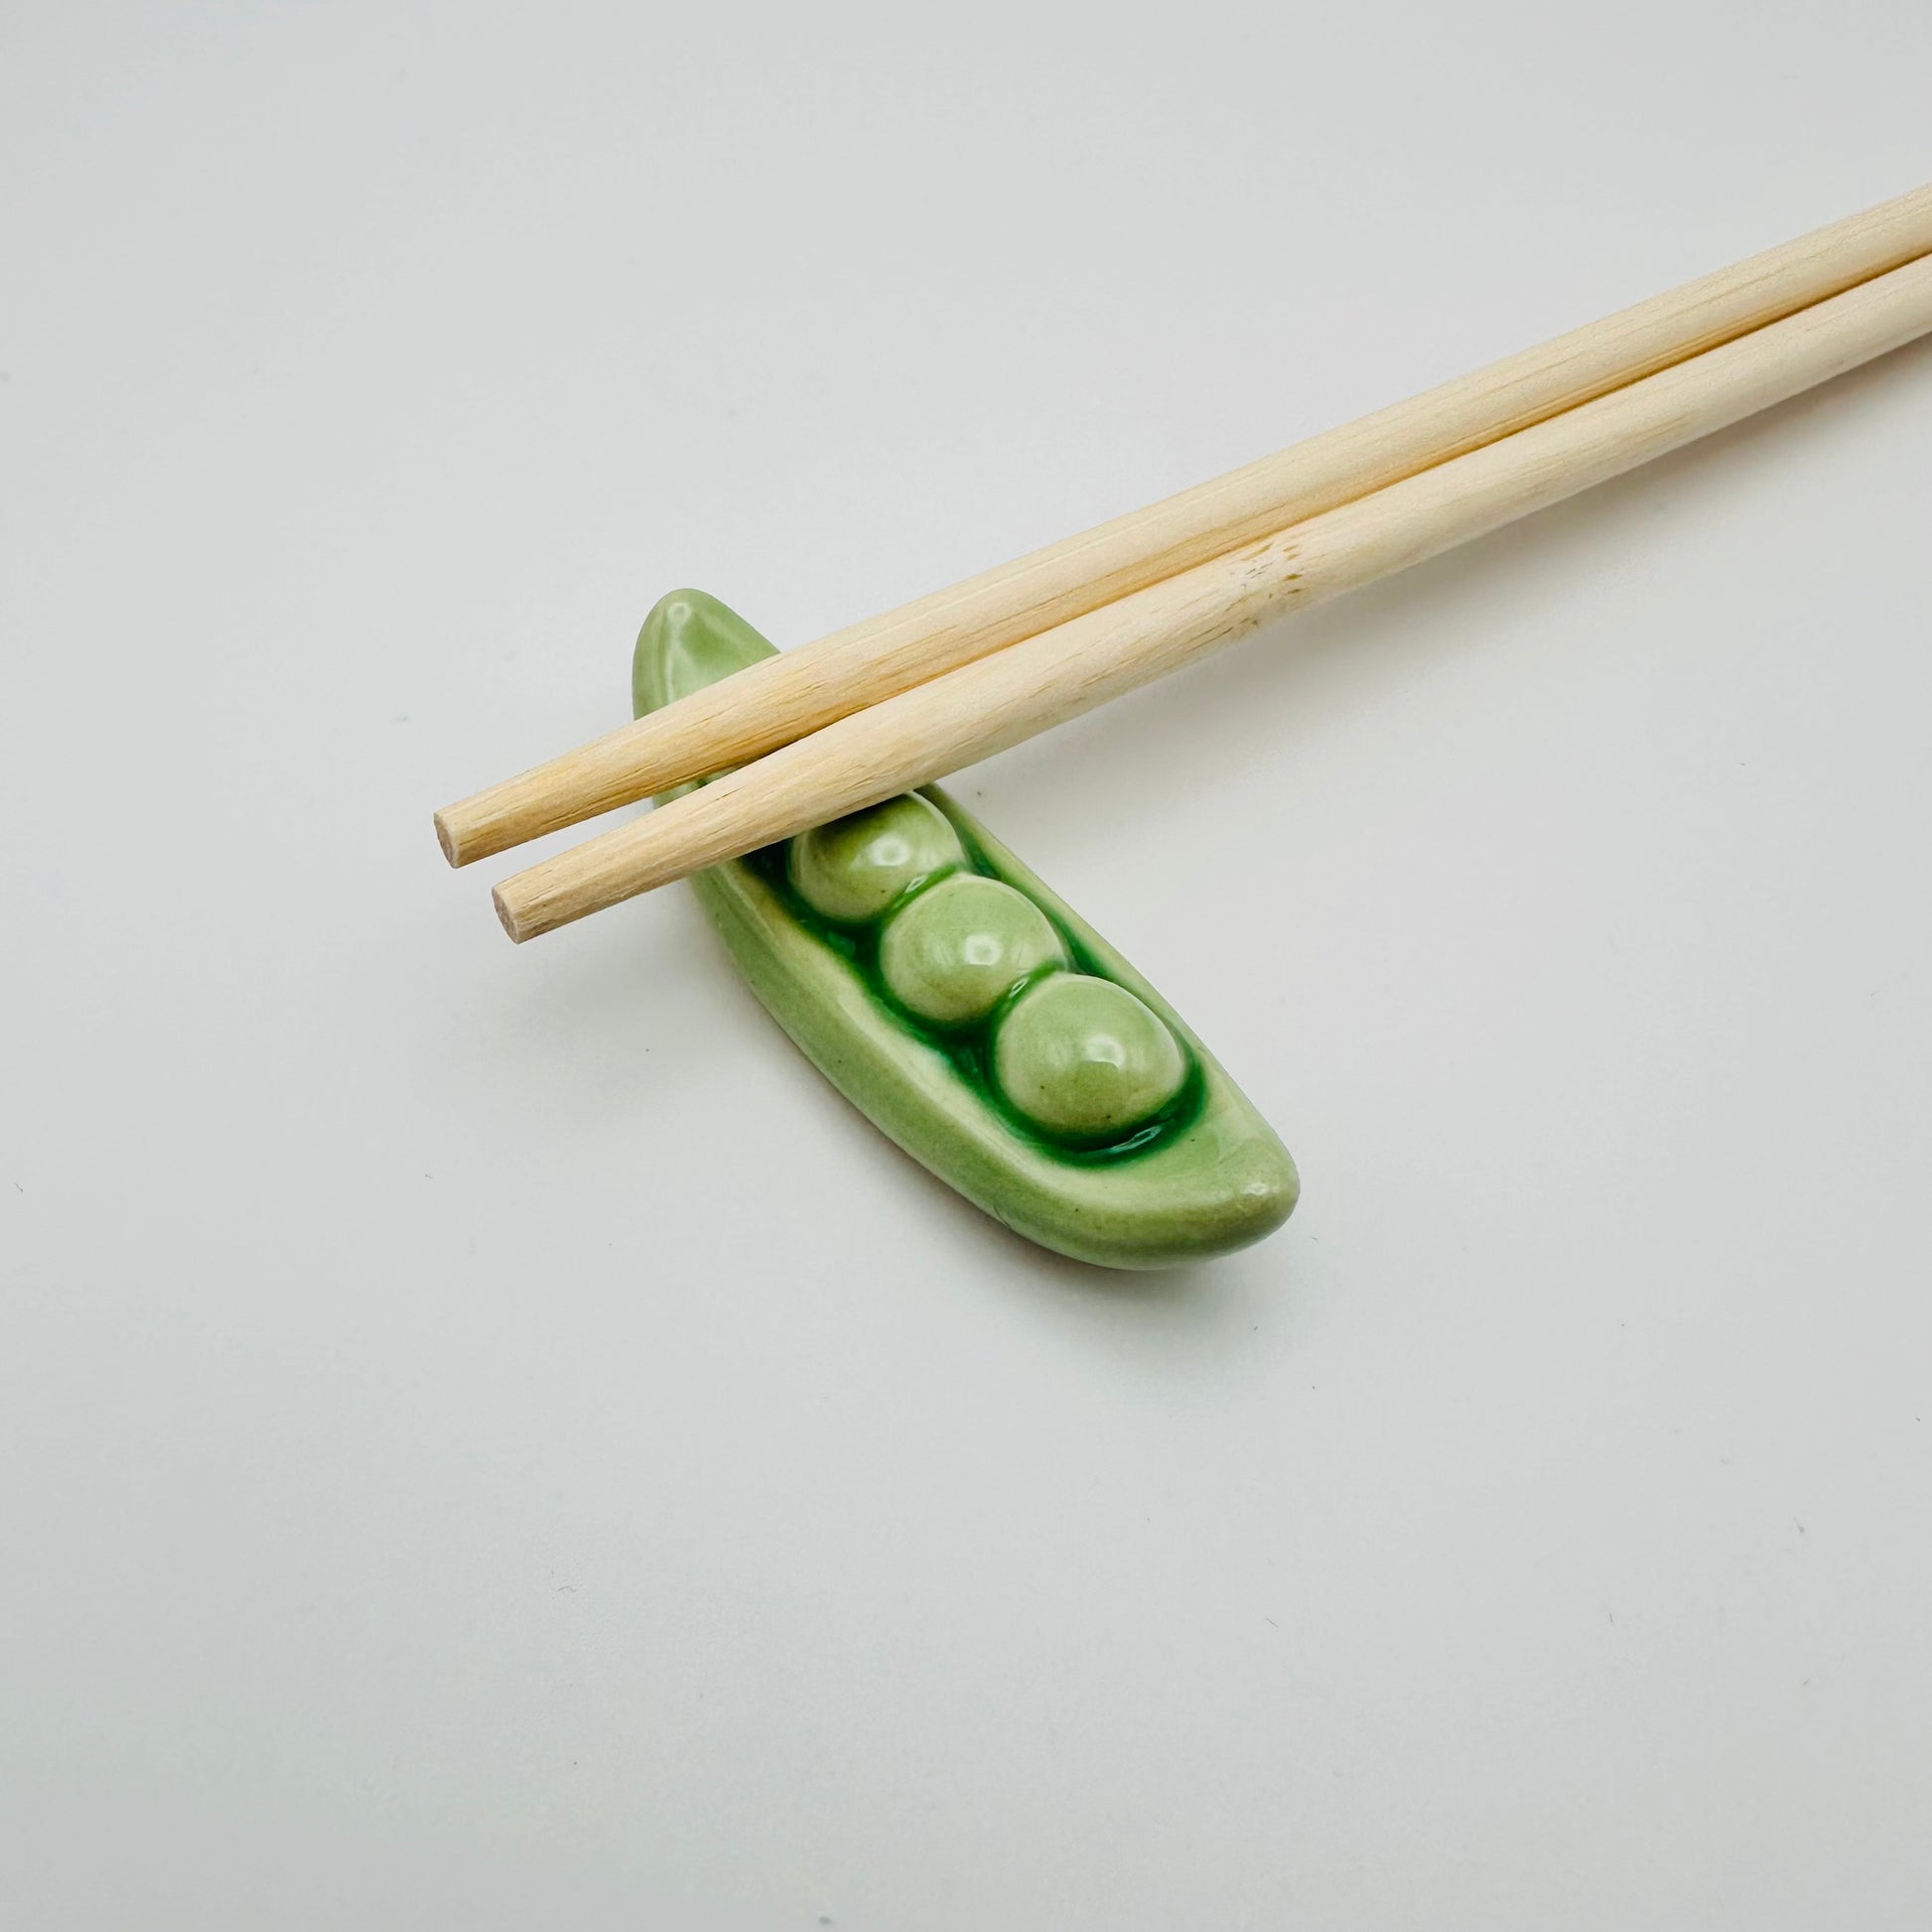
[(974, 1017)]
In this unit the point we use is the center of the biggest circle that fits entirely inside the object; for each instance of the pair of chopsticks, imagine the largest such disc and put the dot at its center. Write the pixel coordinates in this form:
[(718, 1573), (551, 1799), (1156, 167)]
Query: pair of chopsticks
[(902, 699)]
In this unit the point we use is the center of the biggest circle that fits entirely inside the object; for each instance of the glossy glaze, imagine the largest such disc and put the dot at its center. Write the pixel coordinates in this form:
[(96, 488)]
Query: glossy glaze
[(853, 870), (1085, 1061), (962, 946), (975, 1018)]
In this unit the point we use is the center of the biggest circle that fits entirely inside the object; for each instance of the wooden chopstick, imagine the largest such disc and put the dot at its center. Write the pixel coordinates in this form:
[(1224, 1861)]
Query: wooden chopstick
[(983, 707), (801, 690)]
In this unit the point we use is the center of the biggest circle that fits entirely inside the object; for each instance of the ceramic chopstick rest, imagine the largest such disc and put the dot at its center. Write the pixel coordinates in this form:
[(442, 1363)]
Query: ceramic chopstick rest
[(974, 1017)]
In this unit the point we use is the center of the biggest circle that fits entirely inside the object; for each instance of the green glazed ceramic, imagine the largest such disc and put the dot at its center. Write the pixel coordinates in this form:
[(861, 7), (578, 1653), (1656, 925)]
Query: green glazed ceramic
[(976, 1019)]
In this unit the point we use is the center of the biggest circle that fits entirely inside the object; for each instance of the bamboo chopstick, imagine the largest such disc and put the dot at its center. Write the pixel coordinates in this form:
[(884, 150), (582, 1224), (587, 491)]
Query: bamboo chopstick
[(800, 690), (983, 707)]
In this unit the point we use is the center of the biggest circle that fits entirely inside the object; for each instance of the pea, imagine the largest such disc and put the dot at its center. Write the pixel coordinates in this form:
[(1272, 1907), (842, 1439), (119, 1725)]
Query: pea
[(962, 946), (1084, 1059), (855, 868)]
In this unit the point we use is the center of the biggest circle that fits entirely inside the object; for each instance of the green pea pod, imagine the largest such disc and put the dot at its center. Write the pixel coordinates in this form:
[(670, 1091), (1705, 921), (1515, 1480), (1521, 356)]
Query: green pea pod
[(974, 1017)]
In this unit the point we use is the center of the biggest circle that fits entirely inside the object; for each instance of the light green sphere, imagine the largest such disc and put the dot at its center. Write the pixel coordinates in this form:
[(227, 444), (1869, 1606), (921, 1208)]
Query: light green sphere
[(855, 868), (962, 946), (1084, 1059)]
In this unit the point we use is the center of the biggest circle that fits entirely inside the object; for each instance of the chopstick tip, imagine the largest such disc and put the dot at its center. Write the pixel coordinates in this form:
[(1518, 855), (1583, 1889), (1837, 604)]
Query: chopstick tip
[(445, 839), (508, 919)]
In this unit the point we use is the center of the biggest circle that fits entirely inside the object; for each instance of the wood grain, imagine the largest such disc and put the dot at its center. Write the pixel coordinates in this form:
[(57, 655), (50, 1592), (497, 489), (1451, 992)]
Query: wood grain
[(984, 706), (805, 689)]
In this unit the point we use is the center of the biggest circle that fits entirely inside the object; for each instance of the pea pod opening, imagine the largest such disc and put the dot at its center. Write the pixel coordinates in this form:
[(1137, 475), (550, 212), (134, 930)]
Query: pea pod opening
[(974, 1017)]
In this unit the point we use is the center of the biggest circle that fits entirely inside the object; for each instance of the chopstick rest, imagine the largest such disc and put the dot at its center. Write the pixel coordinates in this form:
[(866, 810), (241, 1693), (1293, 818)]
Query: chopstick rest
[(973, 1016)]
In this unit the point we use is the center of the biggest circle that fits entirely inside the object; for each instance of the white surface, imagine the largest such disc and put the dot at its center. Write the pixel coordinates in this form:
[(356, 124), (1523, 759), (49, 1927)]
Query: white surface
[(491, 1440)]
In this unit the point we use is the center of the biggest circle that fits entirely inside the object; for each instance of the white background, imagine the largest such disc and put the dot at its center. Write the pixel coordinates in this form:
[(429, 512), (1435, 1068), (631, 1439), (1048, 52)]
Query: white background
[(488, 1440)]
